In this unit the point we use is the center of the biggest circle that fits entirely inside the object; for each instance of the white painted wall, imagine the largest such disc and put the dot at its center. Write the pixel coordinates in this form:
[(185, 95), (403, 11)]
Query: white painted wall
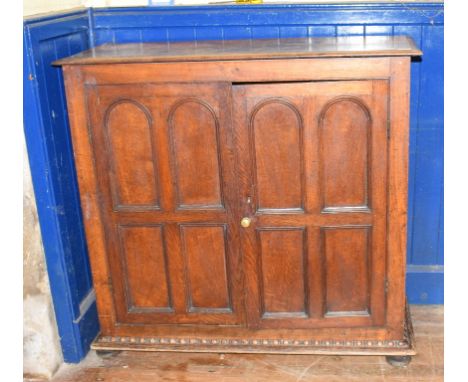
[(128, 3), (115, 3), (42, 354), (33, 7)]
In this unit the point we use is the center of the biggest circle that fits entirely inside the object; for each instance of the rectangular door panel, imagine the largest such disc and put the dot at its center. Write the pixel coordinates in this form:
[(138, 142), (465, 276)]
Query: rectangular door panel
[(205, 253), (346, 254), (283, 257), (145, 258)]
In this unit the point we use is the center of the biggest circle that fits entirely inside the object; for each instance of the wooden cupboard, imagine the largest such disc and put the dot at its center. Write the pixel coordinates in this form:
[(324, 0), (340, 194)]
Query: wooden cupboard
[(246, 196)]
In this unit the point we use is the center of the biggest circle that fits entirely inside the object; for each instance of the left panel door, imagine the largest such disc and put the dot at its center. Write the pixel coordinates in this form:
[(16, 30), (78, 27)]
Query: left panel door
[(163, 154)]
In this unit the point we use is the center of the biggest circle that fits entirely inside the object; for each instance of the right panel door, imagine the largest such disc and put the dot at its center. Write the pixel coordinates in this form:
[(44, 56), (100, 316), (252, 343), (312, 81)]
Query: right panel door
[(313, 181)]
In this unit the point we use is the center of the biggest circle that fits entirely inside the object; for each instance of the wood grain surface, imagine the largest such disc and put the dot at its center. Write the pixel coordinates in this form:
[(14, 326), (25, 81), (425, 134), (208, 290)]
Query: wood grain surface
[(347, 46)]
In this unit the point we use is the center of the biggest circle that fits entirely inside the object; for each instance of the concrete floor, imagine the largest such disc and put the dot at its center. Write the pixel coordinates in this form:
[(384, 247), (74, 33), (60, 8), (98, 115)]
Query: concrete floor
[(427, 366)]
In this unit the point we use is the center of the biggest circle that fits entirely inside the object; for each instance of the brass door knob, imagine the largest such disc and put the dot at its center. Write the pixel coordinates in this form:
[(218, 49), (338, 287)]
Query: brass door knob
[(245, 222)]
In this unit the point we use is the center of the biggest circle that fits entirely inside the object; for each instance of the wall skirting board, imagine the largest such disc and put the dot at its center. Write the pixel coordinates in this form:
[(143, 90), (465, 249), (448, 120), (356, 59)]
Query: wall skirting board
[(57, 35)]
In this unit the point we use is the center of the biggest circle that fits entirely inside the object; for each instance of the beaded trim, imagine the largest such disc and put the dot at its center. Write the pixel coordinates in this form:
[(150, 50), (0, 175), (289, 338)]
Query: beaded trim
[(252, 342)]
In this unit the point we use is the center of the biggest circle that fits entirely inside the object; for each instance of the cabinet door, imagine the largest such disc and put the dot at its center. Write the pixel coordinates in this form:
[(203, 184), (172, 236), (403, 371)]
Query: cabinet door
[(164, 158), (313, 163)]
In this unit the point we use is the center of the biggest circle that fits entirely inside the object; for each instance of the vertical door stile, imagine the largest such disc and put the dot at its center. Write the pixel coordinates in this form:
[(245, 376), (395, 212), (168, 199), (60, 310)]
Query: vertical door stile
[(247, 203)]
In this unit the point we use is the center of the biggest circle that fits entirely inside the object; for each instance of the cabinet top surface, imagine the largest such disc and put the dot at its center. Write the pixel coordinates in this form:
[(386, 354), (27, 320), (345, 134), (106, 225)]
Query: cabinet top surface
[(349, 46)]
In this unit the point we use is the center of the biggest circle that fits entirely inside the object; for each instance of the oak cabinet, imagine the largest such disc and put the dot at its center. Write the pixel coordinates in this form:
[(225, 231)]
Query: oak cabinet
[(246, 196)]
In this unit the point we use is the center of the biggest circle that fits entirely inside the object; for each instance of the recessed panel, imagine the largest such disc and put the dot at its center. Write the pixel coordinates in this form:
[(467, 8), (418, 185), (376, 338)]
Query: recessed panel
[(346, 256), (196, 155), (277, 130), (205, 256), (344, 155), (133, 177), (146, 267), (283, 279)]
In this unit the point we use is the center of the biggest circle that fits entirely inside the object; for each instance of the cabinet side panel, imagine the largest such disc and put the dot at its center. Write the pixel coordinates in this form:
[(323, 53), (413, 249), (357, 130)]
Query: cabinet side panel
[(397, 192), (90, 204)]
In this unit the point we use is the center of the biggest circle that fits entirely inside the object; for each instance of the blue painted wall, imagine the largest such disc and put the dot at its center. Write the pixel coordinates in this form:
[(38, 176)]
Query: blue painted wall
[(53, 175), (48, 141)]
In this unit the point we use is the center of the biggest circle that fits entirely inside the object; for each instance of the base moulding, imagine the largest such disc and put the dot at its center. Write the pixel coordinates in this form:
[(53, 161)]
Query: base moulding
[(404, 346)]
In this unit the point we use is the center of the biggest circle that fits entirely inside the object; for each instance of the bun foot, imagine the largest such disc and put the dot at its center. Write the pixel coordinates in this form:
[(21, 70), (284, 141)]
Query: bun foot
[(107, 353), (398, 360)]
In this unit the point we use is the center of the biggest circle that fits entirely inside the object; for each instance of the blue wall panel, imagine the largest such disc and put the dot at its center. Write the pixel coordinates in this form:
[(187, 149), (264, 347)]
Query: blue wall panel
[(54, 179), (428, 147), (48, 141)]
